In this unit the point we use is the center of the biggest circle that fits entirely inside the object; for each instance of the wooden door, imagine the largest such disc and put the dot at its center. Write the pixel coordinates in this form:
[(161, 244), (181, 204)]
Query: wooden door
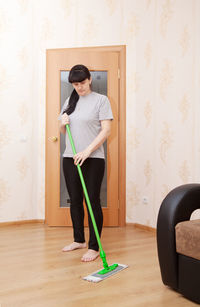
[(62, 60)]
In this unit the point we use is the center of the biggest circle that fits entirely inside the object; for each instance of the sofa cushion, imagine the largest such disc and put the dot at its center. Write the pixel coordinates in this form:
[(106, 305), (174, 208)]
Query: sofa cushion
[(188, 238)]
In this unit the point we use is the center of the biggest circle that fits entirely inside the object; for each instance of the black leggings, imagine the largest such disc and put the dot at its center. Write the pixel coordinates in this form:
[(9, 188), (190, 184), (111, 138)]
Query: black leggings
[(93, 172)]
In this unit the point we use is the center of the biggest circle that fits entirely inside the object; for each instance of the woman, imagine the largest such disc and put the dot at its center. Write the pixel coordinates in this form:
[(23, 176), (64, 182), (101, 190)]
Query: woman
[(89, 115)]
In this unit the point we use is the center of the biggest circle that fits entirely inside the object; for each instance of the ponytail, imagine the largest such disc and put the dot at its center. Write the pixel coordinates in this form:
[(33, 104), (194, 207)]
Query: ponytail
[(72, 103)]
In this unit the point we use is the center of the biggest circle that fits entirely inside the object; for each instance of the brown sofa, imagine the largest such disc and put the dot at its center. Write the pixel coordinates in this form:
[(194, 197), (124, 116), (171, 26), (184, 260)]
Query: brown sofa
[(178, 241)]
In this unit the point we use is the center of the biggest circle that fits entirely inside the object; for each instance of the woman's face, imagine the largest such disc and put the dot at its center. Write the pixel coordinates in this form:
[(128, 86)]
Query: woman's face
[(82, 88)]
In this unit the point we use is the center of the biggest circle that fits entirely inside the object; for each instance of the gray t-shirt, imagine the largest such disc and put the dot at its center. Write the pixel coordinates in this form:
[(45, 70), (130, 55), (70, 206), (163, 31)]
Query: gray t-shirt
[(85, 122)]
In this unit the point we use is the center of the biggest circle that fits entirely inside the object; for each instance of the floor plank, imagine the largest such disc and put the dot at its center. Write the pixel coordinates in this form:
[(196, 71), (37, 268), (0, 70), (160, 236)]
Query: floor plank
[(35, 272)]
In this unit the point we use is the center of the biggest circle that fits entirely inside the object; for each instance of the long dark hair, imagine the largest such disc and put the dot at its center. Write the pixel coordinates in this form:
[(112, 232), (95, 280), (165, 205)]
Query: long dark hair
[(78, 73)]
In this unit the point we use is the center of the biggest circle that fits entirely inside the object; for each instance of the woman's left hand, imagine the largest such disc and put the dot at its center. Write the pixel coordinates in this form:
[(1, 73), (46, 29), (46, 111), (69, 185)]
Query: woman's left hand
[(80, 157)]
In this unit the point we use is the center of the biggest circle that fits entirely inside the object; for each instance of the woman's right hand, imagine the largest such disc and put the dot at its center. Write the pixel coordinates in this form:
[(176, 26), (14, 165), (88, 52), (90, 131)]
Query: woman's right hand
[(64, 119)]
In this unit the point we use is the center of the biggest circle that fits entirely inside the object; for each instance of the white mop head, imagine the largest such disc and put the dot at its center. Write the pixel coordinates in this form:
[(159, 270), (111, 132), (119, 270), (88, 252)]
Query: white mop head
[(95, 277)]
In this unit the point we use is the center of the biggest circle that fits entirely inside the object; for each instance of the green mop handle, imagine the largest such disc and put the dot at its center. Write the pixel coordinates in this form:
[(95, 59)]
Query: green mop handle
[(102, 253)]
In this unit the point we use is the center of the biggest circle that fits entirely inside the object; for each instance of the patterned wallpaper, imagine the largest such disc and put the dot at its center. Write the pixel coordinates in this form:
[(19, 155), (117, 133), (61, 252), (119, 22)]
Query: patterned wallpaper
[(163, 82)]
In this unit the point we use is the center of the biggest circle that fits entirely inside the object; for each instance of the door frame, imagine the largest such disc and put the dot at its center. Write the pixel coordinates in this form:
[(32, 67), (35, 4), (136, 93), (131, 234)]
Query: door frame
[(121, 50)]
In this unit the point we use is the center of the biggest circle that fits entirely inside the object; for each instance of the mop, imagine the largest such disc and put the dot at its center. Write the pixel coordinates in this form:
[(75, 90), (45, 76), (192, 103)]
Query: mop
[(107, 270)]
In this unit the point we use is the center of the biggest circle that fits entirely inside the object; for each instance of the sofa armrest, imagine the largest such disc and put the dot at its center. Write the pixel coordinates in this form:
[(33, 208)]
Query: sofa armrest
[(177, 206)]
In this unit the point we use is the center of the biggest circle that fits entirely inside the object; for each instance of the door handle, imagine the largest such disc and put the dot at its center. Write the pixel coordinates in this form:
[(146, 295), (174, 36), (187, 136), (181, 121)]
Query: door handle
[(53, 138)]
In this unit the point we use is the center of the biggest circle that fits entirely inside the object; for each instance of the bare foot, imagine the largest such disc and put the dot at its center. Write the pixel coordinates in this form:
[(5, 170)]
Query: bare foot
[(90, 255), (73, 246)]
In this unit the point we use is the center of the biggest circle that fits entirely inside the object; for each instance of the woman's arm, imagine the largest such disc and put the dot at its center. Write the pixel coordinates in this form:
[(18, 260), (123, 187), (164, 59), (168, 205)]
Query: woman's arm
[(80, 157), (63, 122)]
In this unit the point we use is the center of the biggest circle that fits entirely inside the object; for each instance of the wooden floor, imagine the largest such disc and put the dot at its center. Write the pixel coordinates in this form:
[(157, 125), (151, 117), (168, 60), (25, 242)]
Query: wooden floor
[(34, 271)]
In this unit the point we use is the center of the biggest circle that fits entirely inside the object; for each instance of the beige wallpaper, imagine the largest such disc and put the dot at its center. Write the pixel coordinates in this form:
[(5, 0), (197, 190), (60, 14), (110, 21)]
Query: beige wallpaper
[(163, 94)]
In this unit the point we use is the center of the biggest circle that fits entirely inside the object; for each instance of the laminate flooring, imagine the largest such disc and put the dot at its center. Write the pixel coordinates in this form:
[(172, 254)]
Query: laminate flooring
[(35, 272)]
